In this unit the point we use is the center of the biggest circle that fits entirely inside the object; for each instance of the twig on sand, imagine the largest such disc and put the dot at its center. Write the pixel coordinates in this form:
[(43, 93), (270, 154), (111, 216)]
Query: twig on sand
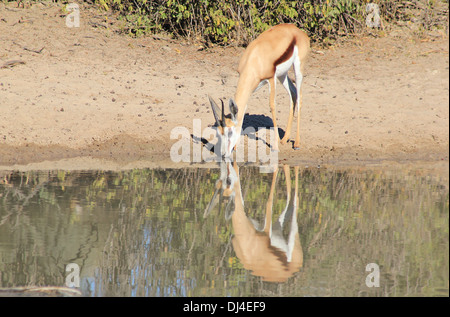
[(317, 52), (12, 63), (29, 49)]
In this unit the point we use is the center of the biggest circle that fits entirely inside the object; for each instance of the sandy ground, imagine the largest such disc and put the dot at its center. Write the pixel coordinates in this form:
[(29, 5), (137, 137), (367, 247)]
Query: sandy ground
[(89, 98)]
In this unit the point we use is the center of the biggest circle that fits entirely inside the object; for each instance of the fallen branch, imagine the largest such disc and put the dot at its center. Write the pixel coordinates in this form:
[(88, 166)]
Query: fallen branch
[(41, 291), (97, 25), (29, 49), (317, 52), (34, 51), (12, 63)]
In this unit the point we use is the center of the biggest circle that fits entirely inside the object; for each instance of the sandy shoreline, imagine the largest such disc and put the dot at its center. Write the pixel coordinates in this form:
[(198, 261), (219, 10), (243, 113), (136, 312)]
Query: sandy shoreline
[(93, 99)]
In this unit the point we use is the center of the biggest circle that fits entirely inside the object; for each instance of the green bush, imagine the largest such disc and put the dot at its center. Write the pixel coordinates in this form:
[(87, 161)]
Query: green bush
[(238, 21)]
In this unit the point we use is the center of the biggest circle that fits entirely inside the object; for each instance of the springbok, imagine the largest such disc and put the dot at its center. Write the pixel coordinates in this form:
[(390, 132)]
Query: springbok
[(268, 57), (264, 250)]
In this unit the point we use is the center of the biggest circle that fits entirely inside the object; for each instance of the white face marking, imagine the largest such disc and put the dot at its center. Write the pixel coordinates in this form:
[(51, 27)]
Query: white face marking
[(228, 140), (228, 176)]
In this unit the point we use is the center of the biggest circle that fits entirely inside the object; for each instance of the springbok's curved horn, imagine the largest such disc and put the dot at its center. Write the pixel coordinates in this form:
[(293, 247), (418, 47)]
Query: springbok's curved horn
[(223, 114), (215, 110)]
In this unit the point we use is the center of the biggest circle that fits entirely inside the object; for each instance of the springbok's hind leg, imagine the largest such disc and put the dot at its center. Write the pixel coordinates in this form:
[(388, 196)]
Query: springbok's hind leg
[(298, 82), (292, 91)]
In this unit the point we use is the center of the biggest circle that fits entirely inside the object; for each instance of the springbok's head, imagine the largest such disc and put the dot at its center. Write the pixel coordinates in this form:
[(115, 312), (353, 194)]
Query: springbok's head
[(228, 132)]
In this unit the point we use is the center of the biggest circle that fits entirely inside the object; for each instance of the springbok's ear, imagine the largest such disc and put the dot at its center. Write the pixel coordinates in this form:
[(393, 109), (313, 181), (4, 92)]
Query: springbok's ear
[(233, 110), (216, 110)]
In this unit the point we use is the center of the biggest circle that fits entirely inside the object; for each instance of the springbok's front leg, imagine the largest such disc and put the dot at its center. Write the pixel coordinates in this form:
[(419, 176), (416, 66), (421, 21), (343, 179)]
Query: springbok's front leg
[(273, 108), (297, 135)]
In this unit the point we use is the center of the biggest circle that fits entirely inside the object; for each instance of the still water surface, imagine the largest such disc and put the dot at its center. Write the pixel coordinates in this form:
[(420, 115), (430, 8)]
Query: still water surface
[(228, 231)]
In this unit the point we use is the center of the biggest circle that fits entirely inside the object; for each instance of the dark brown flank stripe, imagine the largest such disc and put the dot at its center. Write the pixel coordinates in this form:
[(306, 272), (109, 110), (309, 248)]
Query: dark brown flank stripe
[(286, 55)]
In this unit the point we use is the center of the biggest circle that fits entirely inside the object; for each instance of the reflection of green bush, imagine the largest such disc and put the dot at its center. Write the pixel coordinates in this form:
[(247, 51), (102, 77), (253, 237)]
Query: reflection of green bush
[(239, 21)]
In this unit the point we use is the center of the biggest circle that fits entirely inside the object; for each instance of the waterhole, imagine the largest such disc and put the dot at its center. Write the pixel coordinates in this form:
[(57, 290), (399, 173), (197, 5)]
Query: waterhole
[(227, 231)]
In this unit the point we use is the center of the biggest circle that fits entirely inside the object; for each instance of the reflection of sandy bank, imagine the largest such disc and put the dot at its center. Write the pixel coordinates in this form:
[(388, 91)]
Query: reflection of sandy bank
[(88, 163)]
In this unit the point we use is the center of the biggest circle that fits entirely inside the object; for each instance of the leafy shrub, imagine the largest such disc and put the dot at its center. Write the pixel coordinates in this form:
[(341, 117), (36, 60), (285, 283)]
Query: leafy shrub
[(240, 21)]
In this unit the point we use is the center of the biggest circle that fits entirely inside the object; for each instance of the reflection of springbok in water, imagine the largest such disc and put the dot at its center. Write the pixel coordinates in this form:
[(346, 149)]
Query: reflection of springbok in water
[(264, 250)]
